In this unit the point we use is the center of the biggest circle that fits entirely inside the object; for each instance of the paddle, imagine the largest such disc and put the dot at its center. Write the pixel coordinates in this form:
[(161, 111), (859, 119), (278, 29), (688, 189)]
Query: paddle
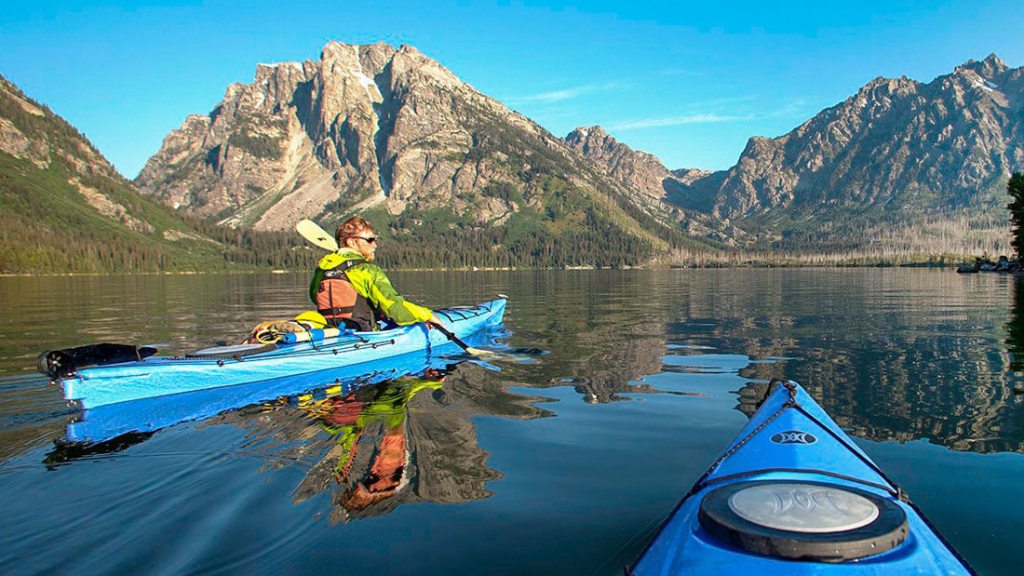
[(316, 235), (469, 349), (61, 363), (312, 232)]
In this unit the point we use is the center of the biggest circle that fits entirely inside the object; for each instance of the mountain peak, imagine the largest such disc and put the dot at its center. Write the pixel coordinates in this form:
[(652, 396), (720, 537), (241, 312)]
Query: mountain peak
[(891, 84), (333, 48), (584, 132), (993, 59), (988, 68), (586, 139), (638, 170)]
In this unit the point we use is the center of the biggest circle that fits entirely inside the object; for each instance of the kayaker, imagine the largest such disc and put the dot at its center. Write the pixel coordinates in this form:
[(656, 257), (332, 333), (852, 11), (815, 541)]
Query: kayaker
[(349, 290)]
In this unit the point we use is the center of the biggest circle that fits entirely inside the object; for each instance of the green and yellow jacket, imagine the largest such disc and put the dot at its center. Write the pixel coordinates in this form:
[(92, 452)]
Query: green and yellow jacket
[(371, 283)]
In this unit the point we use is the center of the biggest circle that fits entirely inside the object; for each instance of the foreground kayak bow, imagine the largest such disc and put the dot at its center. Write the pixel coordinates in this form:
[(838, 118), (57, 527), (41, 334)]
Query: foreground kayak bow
[(794, 495), (110, 383)]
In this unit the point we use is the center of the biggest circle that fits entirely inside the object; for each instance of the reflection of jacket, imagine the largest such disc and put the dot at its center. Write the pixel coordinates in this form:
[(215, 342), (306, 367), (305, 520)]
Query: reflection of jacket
[(346, 418), (370, 282), (385, 411)]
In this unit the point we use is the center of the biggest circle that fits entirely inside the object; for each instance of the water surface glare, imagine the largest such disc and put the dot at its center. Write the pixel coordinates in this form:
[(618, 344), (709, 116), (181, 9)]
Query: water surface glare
[(564, 464)]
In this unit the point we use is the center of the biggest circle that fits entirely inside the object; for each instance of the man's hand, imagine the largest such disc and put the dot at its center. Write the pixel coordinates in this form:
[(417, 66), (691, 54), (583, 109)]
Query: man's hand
[(433, 321)]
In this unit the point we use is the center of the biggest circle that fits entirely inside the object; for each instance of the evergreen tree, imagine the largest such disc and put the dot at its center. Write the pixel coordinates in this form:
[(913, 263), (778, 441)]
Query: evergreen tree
[(1015, 327), (1015, 188)]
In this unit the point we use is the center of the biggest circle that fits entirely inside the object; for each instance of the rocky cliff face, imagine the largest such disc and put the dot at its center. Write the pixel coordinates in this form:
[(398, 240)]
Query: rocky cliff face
[(299, 138), (638, 170), (655, 186), (370, 127), (896, 143)]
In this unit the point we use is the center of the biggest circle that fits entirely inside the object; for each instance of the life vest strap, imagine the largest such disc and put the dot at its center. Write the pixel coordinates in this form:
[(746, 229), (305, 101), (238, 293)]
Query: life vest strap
[(332, 312)]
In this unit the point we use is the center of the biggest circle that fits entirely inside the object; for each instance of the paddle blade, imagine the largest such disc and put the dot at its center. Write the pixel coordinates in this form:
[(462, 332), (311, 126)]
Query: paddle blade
[(493, 356), (312, 232), (60, 363)]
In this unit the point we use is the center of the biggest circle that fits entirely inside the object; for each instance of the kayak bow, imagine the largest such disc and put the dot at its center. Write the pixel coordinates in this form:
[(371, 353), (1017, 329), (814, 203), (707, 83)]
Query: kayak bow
[(230, 366), (794, 495)]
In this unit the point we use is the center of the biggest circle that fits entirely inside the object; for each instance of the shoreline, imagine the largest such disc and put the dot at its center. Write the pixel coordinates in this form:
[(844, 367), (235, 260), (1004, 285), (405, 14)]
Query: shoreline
[(706, 266)]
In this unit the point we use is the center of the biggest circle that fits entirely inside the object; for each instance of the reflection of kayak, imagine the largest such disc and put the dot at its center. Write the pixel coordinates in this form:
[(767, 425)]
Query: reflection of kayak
[(108, 384), (794, 495), (150, 414)]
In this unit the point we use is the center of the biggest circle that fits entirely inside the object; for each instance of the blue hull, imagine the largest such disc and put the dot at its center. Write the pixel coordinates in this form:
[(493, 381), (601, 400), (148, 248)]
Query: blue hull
[(791, 441), (100, 424), (110, 384)]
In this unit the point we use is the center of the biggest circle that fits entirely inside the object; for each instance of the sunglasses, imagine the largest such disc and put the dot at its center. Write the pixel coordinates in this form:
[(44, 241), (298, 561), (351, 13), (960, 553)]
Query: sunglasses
[(368, 240)]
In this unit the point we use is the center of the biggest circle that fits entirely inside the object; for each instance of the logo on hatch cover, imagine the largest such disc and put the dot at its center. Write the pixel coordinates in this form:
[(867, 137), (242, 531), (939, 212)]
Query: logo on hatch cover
[(794, 437)]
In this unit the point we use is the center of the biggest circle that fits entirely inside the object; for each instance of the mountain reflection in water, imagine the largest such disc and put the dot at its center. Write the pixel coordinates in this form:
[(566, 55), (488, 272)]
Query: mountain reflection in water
[(1015, 327), (891, 355), (886, 369)]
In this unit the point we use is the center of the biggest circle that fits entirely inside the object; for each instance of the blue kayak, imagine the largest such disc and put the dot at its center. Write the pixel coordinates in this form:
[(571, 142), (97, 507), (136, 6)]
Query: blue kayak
[(794, 495), (103, 423), (124, 381)]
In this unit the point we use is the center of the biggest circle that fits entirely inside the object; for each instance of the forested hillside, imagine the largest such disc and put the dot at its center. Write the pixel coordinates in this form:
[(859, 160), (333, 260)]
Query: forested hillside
[(63, 208)]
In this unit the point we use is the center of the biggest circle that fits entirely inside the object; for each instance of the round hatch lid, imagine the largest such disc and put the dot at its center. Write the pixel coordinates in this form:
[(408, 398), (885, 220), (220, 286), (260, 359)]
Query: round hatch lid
[(798, 520)]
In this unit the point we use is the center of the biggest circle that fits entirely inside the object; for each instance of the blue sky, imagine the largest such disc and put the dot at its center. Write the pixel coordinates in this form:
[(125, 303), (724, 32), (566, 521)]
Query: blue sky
[(689, 82)]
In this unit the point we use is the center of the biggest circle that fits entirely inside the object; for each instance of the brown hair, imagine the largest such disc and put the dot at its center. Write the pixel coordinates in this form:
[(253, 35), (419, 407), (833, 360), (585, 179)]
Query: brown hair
[(351, 228)]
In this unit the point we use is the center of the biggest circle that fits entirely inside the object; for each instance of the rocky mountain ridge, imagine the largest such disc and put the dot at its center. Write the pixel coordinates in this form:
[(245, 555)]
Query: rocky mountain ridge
[(895, 143), (638, 170), (32, 133), (364, 125), (643, 171), (391, 132), (918, 156)]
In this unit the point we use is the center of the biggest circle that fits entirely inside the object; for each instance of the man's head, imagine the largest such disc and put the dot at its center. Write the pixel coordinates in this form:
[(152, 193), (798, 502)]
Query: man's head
[(357, 234)]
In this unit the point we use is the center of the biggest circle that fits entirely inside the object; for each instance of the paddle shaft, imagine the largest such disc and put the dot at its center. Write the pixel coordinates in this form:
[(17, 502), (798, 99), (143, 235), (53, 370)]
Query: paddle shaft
[(451, 336)]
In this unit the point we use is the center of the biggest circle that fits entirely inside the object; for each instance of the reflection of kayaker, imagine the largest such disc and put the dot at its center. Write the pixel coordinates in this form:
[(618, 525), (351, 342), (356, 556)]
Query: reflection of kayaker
[(370, 432)]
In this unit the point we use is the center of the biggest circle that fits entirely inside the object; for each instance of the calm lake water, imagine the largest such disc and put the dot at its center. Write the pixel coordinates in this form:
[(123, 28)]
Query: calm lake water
[(564, 464)]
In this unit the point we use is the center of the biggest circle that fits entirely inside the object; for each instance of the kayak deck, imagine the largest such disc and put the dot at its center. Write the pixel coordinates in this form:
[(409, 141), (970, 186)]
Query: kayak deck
[(793, 494), (158, 376)]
